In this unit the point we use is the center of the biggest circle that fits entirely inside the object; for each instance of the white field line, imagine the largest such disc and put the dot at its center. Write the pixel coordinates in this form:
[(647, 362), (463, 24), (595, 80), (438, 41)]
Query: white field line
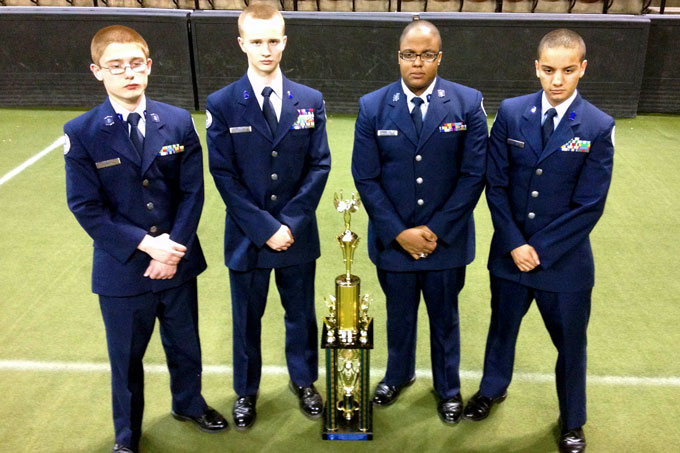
[(272, 370), (58, 142)]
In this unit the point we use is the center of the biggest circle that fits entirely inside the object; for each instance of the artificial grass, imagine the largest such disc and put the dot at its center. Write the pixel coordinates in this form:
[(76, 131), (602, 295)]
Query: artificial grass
[(49, 314)]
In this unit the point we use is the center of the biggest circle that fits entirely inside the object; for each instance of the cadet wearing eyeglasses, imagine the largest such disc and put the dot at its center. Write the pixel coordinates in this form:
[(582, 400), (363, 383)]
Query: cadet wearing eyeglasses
[(134, 181), (418, 163)]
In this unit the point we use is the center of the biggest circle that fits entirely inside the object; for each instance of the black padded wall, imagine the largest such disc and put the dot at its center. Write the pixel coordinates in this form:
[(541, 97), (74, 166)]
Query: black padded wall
[(495, 53), (348, 55), (661, 81), (45, 55), (342, 55)]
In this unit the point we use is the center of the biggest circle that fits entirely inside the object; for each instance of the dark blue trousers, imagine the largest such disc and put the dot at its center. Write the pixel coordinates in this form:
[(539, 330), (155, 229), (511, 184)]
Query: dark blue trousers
[(565, 316), (248, 300), (402, 294), (129, 323)]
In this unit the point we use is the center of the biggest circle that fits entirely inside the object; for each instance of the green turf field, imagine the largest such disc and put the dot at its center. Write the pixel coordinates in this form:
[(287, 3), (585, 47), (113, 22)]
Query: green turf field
[(53, 360)]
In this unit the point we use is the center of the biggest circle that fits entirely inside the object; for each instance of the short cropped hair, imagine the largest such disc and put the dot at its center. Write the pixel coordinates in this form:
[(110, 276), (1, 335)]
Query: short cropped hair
[(562, 37), (421, 24), (259, 10), (118, 34)]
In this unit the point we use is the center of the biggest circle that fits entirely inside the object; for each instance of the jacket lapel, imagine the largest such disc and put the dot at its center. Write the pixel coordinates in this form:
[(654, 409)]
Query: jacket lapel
[(250, 109), (155, 135), (565, 129), (436, 112), (531, 125), (289, 111), (117, 135), (400, 114)]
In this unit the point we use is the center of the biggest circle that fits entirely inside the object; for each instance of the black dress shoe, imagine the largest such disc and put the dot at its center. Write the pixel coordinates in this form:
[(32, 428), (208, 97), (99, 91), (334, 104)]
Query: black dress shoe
[(385, 394), (310, 401), (244, 412), (450, 410), (479, 406), (210, 421), (118, 448), (572, 441)]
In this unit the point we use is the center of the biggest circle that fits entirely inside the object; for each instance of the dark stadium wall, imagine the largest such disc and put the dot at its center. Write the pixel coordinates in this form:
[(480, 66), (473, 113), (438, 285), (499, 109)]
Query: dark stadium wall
[(633, 64)]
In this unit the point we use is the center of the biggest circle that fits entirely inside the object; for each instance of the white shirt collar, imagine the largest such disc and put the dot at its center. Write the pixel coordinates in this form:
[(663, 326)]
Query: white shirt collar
[(560, 108), (122, 111), (258, 83), (425, 95)]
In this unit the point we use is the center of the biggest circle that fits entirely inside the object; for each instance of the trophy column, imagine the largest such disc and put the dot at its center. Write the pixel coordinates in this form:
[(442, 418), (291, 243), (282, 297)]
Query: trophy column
[(347, 337)]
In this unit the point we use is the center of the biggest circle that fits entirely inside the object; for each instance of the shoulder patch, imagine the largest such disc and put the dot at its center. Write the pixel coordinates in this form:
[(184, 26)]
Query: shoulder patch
[(67, 144), (208, 119)]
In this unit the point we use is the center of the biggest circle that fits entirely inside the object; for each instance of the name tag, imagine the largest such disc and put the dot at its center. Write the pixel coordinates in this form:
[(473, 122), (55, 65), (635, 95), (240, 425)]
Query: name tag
[(240, 129), (513, 142), (108, 163), (387, 133)]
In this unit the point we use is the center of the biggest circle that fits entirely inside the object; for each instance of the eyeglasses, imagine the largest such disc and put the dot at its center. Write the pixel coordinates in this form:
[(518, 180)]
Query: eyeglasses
[(135, 66), (425, 56)]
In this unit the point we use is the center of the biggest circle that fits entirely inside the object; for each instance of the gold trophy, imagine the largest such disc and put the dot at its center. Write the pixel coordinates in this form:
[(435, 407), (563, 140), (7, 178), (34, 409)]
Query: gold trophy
[(348, 339)]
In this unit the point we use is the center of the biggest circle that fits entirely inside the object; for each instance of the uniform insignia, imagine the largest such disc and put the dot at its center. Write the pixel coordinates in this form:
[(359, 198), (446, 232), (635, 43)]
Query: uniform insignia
[(395, 98), (429, 96), (155, 118), (305, 119), (387, 133), (171, 149), (208, 119), (452, 127), (67, 144), (120, 117), (246, 95), (290, 95), (240, 129), (572, 116), (533, 109), (576, 145), (107, 163), (108, 120), (441, 93)]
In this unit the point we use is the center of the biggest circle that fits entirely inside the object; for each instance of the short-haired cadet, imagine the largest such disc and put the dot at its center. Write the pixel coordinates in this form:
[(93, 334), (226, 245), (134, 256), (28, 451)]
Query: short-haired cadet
[(419, 158), (134, 181), (270, 160), (549, 170)]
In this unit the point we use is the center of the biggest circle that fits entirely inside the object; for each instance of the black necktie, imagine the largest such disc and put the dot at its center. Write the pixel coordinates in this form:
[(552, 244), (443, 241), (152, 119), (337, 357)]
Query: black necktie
[(268, 110), (136, 136), (548, 125), (417, 115)]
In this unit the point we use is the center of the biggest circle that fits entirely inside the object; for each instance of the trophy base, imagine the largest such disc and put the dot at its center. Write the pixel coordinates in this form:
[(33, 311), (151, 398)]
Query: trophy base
[(348, 436)]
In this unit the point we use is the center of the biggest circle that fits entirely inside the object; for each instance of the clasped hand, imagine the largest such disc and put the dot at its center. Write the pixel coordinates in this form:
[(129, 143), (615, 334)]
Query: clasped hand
[(418, 242), (163, 249), (281, 240), (160, 271), (525, 257)]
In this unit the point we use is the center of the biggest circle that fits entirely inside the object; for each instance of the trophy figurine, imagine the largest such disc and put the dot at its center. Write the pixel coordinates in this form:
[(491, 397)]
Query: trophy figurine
[(348, 339)]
